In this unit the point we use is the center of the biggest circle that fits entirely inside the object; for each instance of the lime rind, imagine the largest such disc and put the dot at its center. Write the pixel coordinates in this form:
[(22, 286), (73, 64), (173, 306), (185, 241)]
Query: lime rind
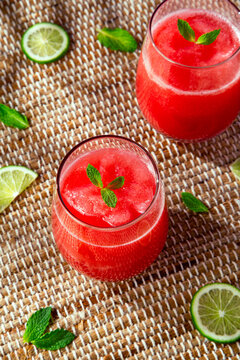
[(13, 181), (45, 42), (208, 322), (235, 167)]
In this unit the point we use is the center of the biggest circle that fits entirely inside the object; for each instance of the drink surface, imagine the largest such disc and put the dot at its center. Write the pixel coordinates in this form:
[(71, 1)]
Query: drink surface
[(83, 199), (173, 45), (184, 102)]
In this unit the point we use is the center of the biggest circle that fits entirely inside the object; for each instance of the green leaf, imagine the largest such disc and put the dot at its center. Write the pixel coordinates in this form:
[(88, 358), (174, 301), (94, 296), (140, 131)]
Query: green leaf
[(13, 118), (37, 324), (235, 167), (109, 197), (54, 340), (185, 30), (193, 203), (116, 183), (117, 39), (208, 38), (94, 176)]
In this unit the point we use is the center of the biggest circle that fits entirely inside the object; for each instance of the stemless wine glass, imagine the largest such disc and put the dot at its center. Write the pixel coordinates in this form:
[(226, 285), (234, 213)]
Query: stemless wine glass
[(189, 103), (110, 253)]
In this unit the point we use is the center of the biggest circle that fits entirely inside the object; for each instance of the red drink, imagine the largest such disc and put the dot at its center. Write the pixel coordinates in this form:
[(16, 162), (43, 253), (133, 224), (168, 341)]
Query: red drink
[(185, 90), (103, 242)]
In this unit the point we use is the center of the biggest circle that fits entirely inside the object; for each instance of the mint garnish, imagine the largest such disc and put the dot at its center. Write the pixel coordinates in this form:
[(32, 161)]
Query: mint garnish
[(34, 333), (208, 38), (117, 39), (116, 184), (109, 197), (107, 194), (13, 118), (235, 167), (37, 324), (188, 33), (185, 30), (94, 176), (193, 203), (54, 340)]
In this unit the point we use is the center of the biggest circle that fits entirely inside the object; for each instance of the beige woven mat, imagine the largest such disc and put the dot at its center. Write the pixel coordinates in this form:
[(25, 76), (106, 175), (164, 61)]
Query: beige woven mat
[(91, 92)]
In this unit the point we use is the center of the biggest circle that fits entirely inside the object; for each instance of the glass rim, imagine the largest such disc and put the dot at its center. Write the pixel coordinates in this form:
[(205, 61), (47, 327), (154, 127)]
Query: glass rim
[(182, 65), (159, 185)]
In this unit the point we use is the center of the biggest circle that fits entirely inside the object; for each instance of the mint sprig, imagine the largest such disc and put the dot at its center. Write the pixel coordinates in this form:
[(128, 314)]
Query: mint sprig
[(117, 39), (188, 33), (13, 118), (193, 203), (35, 327), (107, 194)]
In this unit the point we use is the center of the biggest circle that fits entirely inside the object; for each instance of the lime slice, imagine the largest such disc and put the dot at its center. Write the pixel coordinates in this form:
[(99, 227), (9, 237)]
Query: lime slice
[(13, 180), (45, 42), (215, 310)]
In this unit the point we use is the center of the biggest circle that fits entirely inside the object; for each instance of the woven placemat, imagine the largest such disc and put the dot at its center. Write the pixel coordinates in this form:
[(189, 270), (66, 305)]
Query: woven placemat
[(91, 91)]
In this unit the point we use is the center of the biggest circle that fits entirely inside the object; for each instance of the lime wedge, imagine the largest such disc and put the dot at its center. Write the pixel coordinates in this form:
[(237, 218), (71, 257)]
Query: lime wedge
[(235, 167), (215, 310), (45, 42), (13, 180)]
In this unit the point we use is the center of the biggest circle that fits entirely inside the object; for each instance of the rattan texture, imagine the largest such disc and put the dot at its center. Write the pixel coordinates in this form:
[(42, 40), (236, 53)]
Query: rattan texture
[(91, 91)]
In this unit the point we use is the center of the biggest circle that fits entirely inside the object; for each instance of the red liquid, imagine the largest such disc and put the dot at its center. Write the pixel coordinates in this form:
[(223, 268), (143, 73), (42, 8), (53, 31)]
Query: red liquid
[(182, 102), (115, 252)]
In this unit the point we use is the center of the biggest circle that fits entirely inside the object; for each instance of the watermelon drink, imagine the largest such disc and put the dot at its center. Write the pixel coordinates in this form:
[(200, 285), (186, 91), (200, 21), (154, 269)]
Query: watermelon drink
[(190, 91), (103, 242)]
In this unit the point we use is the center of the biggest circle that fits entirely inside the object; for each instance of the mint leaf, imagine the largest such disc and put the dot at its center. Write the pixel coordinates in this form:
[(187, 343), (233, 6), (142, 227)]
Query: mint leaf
[(13, 118), (37, 324), (235, 167), (208, 38), (185, 30), (94, 176), (54, 340), (109, 197), (188, 33), (117, 39), (116, 183), (193, 203)]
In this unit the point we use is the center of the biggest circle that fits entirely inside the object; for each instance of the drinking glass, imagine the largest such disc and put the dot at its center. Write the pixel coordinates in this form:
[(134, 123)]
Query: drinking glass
[(110, 253), (188, 103)]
